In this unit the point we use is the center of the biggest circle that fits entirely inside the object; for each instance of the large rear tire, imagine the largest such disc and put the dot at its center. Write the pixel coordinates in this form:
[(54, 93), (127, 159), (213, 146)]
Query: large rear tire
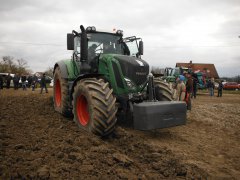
[(164, 91), (94, 107), (61, 94)]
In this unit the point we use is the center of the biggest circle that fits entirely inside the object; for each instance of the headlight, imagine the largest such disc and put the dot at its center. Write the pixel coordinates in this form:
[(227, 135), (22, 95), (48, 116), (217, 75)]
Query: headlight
[(130, 84), (93, 28)]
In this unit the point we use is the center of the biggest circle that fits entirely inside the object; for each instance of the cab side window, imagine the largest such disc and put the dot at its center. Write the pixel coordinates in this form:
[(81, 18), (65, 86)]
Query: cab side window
[(77, 49)]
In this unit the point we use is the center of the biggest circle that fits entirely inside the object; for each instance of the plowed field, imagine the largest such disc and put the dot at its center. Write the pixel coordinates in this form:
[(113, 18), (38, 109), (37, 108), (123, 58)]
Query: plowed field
[(38, 143)]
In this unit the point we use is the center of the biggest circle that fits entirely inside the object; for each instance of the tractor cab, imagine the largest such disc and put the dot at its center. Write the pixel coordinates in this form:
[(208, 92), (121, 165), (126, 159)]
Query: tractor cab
[(91, 43), (171, 74), (110, 55)]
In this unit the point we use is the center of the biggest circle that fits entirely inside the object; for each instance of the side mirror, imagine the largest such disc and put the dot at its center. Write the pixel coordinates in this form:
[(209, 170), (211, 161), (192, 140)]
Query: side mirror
[(70, 41), (140, 48)]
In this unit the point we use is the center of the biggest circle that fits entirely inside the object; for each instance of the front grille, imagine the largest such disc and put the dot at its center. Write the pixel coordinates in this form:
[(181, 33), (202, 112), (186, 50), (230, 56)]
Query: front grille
[(140, 75)]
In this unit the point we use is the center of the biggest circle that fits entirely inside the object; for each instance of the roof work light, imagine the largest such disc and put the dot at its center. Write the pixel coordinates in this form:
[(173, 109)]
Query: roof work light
[(91, 29), (119, 32)]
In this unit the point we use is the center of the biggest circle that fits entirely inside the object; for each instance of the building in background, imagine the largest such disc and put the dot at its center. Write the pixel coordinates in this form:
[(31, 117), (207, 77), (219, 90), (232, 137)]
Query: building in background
[(208, 69)]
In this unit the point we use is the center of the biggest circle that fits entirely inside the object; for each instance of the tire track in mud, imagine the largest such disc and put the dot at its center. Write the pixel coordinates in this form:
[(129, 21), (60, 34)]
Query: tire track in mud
[(38, 143), (152, 161)]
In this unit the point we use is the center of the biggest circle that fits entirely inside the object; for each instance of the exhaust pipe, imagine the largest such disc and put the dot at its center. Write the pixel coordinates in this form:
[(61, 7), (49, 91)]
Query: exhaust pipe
[(84, 45), (84, 68)]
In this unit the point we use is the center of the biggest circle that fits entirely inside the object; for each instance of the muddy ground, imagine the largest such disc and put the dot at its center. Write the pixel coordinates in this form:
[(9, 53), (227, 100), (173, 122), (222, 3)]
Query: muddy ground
[(38, 143)]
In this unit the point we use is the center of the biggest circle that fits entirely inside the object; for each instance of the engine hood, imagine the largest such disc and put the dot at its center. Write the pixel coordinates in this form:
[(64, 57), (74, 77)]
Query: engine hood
[(133, 68)]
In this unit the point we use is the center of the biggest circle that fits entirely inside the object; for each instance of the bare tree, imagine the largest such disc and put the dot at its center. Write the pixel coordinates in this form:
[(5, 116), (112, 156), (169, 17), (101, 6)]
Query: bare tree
[(3, 67), (9, 65), (22, 66), (22, 63), (49, 72)]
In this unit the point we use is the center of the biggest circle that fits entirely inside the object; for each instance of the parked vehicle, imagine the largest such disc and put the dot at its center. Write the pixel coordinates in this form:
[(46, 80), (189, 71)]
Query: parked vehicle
[(231, 85), (4, 75)]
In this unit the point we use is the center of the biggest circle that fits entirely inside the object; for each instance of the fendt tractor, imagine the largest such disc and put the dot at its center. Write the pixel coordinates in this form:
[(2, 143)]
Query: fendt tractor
[(106, 78)]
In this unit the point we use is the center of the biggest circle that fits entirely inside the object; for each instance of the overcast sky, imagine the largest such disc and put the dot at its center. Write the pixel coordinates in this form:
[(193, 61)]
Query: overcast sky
[(204, 31)]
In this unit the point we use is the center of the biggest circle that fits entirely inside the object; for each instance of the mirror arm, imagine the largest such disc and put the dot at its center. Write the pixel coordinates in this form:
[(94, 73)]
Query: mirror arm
[(75, 32)]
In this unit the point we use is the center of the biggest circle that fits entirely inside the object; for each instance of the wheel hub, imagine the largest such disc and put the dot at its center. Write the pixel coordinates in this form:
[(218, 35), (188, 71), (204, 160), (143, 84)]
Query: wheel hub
[(82, 110), (58, 95)]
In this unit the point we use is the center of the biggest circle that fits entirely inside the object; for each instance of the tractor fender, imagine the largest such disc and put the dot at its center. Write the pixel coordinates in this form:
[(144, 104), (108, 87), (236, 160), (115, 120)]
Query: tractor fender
[(63, 67), (83, 76)]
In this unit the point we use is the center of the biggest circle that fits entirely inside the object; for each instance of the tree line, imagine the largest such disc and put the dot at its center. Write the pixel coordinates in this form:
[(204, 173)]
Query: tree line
[(8, 64)]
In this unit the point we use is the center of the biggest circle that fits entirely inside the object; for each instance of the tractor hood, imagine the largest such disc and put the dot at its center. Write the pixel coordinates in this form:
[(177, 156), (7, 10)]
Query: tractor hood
[(133, 68)]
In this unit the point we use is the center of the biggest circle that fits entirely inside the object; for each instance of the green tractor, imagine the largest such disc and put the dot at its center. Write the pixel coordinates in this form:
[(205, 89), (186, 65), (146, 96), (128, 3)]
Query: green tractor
[(105, 78), (171, 74)]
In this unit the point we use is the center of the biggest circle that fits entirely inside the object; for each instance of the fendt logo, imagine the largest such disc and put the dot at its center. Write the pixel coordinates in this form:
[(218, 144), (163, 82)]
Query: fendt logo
[(140, 62), (141, 73)]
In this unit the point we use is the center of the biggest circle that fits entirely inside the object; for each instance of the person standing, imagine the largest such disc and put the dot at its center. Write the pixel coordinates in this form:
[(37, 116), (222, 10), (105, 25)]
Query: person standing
[(213, 82), (24, 82), (34, 81), (9, 78), (220, 88), (181, 88), (194, 92), (15, 81), (29, 79), (211, 87), (189, 87), (1, 82), (43, 83)]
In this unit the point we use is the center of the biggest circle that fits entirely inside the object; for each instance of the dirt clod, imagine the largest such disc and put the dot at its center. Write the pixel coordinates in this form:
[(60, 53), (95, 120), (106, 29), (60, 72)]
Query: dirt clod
[(19, 146), (121, 158)]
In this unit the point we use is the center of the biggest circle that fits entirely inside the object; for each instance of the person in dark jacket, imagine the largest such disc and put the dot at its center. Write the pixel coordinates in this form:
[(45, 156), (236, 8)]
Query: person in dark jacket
[(210, 86), (9, 78), (194, 90), (189, 88), (16, 81), (43, 83), (34, 81), (220, 88), (29, 79), (24, 82), (1, 82)]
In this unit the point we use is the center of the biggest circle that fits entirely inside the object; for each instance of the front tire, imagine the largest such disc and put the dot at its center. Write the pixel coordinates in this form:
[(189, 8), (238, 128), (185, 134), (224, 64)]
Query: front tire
[(163, 90), (94, 107)]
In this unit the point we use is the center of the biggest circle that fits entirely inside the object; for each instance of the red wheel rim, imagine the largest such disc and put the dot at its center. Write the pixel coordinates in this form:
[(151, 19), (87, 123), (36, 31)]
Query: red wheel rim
[(58, 95), (82, 110)]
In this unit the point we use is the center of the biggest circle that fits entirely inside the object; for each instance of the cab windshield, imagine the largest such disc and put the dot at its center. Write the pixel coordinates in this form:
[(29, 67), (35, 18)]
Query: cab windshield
[(104, 43)]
